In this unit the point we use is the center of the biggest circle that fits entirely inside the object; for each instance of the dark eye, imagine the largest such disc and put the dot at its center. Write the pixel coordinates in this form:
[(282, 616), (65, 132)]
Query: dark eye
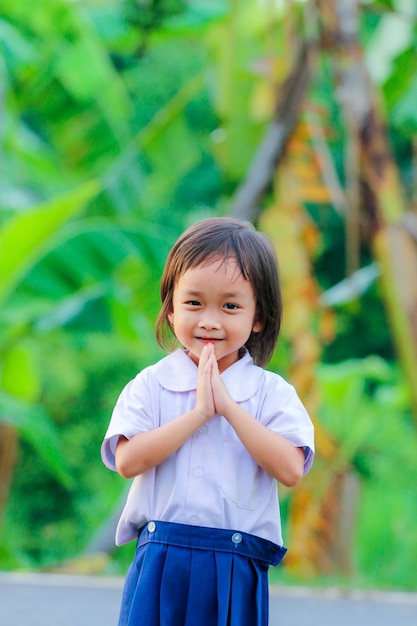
[(193, 303), (231, 307)]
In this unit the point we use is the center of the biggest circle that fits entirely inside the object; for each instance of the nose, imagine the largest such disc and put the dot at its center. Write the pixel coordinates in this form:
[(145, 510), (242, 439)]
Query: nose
[(209, 321)]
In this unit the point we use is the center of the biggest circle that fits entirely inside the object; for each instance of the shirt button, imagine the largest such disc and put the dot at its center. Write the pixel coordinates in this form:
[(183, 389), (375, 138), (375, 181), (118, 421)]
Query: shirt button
[(151, 527), (198, 471), (203, 429), (194, 519), (236, 538)]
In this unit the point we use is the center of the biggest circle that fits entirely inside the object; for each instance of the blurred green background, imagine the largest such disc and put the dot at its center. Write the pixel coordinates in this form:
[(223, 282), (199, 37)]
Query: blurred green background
[(124, 121)]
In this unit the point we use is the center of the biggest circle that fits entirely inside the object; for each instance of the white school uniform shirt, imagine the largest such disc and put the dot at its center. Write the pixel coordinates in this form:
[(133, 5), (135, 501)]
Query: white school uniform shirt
[(211, 480)]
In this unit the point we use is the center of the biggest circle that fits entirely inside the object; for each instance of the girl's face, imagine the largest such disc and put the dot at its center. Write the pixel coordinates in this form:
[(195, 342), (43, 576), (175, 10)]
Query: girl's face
[(213, 303)]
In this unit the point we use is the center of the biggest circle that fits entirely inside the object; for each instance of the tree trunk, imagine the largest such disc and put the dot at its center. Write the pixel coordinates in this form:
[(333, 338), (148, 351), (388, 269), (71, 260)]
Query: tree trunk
[(318, 513), (385, 221), (8, 455), (246, 203)]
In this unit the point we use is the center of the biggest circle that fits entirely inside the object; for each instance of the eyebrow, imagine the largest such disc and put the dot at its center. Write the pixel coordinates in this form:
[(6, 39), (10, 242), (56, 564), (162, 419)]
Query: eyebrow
[(227, 294)]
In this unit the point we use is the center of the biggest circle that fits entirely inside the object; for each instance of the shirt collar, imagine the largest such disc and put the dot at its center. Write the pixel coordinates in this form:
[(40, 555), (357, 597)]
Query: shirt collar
[(177, 372)]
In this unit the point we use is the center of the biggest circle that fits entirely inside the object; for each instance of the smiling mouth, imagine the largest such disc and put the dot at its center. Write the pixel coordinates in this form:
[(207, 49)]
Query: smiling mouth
[(208, 339)]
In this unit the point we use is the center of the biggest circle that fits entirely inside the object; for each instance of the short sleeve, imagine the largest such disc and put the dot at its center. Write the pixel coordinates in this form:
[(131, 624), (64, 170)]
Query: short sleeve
[(284, 413), (131, 415)]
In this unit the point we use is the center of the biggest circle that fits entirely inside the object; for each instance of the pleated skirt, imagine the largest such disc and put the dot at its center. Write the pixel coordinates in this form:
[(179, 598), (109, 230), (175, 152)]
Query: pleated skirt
[(196, 576)]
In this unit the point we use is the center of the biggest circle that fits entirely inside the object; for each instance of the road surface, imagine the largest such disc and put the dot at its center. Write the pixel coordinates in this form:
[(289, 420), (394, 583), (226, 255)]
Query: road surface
[(56, 600)]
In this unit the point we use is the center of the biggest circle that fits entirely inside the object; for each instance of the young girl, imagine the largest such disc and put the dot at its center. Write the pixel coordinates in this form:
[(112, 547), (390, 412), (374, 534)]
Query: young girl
[(206, 433)]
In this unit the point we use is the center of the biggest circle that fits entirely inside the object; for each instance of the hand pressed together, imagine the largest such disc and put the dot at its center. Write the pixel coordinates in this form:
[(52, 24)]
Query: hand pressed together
[(212, 395)]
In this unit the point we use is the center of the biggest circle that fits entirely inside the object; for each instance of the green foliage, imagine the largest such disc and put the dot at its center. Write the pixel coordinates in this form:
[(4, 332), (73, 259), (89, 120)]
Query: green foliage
[(124, 122), (47, 519), (360, 399), (367, 408), (35, 426), (147, 15), (23, 238)]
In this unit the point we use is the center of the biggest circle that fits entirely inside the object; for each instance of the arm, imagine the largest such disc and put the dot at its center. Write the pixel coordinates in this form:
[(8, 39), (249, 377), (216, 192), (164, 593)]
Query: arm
[(277, 456), (148, 449), (145, 450)]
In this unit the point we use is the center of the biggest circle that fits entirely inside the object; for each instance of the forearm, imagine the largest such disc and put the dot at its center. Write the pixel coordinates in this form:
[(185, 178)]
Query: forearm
[(148, 449), (275, 454)]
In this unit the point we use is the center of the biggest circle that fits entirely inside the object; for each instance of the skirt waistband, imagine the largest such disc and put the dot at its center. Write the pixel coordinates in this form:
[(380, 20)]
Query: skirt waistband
[(206, 538)]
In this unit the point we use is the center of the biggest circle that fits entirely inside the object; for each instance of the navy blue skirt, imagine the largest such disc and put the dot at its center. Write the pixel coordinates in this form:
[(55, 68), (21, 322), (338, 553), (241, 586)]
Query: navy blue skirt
[(196, 576)]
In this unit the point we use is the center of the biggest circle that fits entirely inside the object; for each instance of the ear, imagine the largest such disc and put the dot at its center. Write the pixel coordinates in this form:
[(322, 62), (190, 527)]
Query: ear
[(257, 327), (171, 317)]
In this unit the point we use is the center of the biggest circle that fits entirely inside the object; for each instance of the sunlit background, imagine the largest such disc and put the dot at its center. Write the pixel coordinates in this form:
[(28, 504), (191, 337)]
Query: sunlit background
[(122, 122)]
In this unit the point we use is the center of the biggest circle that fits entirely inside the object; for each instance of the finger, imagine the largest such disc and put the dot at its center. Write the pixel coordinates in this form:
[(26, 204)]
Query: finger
[(207, 355), (204, 355)]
